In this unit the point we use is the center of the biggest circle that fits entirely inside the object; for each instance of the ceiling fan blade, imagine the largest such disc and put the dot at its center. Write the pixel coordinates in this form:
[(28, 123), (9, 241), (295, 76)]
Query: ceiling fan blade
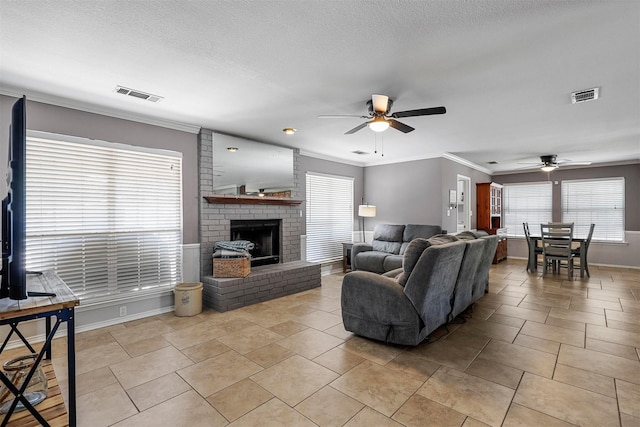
[(342, 116), (400, 126), (356, 129), (572, 163), (380, 103), (419, 112)]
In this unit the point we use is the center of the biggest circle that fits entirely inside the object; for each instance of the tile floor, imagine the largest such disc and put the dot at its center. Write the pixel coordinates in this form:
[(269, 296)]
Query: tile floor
[(537, 351)]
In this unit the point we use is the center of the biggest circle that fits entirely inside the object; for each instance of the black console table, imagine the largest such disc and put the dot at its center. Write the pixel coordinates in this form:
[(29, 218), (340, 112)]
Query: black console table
[(61, 306)]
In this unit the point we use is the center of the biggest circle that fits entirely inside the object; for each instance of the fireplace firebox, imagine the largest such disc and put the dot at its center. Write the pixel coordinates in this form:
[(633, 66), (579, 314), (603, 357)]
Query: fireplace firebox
[(264, 234)]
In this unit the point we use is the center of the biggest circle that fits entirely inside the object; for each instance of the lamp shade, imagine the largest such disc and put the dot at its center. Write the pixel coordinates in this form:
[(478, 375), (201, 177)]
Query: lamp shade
[(368, 211)]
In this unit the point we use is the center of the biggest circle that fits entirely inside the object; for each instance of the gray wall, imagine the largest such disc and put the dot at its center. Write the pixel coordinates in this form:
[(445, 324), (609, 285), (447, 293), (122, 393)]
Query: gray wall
[(311, 164), (417, 192), (631, 174), (66, 121)]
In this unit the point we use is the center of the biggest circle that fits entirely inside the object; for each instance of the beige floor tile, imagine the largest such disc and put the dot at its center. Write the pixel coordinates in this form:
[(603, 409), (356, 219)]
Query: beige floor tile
[(521, 416), (560, 400), (339, 331), (283, 379), (150, 366), (629, 420), (94, 358), (471, 422), (600, 363), (457, 350), (414, 365), (180, 322), (496, 372), (84, 342), (138, 348), (310, 343), (372, 350), (616, 336), (553, 333), (239, 398), (249, 339), (522, 313), (624, 326), (329, 407), (519, 357), (483, 400), (157, 391), (205, 350), (625, 351), (219, 372), (585, 379), (267, 318), (189, 337), (583, 304), (548, 300), (611, 294), (482, 313), (382, 389), (506, 320), (628, 398), (493, 330), (567, 324), (92, 380), (578, 316), (274, 413), (369, 418), (187, 409), (141, 331), (104, 407), (535, 343), (269, 355), (287, 328), (419, 411), (319, 320), (338, 360)]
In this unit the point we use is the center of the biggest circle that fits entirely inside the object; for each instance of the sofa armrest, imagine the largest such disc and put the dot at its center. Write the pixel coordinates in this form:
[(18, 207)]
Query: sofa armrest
[(355, 250), (382, 298)]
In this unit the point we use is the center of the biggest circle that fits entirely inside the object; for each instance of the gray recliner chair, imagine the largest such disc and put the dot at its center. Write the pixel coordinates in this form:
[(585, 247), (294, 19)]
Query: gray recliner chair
[(405, 309)]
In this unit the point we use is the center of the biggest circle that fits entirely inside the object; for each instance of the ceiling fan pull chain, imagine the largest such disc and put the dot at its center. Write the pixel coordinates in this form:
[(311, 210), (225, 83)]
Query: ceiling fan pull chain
[(382, 145), (375, 143)]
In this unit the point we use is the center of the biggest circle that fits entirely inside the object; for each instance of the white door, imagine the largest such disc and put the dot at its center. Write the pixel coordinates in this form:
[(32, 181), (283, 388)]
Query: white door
[(463, 207)]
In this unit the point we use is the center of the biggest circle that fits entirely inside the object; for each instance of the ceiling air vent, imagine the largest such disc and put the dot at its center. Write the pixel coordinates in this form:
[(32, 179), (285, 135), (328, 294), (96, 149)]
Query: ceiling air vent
[(492, 162), (360, 152), (137, 94), (584, 95)]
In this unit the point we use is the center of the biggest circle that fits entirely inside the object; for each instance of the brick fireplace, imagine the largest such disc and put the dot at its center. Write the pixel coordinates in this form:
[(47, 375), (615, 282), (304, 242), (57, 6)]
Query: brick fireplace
[(265, 282)]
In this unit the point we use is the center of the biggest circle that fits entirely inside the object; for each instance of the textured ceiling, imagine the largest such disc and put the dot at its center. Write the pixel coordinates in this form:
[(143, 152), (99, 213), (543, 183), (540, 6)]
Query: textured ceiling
[(503, 69)]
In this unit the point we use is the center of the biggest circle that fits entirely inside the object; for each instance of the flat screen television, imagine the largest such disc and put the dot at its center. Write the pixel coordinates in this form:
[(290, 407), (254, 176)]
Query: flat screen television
[(14, 207)]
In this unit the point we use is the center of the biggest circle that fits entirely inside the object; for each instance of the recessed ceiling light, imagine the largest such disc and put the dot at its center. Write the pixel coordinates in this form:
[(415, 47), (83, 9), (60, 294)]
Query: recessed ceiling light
[(232, 149), (289, 131)]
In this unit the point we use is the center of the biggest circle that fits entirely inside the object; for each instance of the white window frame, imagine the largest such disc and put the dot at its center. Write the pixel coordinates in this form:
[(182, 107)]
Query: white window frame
[(598, 201), (329, 221), (532, 202), (105, 237)]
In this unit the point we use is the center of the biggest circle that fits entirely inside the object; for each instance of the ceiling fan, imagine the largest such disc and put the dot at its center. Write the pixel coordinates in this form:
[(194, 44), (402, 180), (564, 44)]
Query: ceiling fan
[(380, 118), (549, 163)]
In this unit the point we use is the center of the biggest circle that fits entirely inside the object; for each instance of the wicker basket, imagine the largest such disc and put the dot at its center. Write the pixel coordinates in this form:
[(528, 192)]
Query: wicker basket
[(231, 267)]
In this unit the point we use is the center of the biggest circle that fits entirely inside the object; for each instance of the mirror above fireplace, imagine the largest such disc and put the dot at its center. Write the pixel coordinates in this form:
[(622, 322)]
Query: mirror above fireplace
[(244, 167)]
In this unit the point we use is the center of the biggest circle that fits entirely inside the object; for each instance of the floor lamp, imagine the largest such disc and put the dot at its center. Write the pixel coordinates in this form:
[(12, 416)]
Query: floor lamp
[(366, 211)]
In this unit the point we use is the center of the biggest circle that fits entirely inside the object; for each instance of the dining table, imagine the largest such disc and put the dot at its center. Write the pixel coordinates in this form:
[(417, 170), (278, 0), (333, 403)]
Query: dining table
[(536, 241)]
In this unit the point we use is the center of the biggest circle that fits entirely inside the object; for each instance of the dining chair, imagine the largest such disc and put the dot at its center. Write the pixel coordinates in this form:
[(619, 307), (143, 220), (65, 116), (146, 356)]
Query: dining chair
[(556, 246), (534, 249), (581, 253)]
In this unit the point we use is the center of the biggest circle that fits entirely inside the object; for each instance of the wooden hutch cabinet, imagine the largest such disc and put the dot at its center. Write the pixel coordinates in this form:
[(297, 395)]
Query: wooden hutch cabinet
[(489, 215)]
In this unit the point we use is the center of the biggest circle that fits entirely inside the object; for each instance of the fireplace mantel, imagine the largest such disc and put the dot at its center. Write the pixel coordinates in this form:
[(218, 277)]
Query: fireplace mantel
[(252, 200)]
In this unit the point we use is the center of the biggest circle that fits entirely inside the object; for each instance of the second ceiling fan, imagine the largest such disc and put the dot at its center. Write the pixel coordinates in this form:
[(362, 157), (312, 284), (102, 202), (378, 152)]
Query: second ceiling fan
[(381, 118)]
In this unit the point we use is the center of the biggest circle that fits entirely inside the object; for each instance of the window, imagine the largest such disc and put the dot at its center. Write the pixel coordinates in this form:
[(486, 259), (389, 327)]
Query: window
[(599, 202), (106, 217), (527, 202), (329, 216)]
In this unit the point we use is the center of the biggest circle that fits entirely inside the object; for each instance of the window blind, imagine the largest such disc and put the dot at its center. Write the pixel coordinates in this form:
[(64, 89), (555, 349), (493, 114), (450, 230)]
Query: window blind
[(329, 216), (107, 219), (600, 202), (527, 202)]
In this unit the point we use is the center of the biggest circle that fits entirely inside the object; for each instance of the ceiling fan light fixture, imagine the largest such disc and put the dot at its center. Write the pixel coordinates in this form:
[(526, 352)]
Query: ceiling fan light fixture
[(378, 124), (548, 167), (289, 131)]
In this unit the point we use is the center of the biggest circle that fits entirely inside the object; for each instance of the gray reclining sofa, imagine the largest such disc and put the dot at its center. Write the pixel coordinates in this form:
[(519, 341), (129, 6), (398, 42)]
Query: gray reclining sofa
[(440, 277), (389, 243)]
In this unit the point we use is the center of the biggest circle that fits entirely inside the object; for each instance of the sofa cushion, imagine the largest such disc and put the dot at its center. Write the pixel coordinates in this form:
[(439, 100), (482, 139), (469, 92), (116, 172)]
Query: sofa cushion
[(415, 231), (441, 239), (411, 257), (392, 262), (387, 238), (372, 261), (470, 235)]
